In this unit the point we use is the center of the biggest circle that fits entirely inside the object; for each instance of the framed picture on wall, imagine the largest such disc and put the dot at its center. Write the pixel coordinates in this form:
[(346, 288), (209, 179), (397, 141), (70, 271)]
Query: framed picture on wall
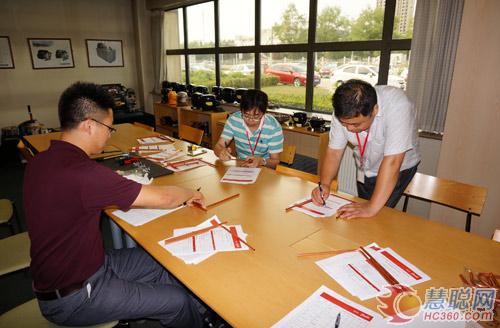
[(51, 53), (104, 53), (6, 58)]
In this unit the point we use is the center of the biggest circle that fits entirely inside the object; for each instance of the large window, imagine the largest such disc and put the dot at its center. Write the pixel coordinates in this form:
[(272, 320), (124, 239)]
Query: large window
[(297, 51)]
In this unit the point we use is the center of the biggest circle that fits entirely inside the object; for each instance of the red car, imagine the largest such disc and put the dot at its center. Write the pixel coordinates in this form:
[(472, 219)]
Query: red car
[(295, 74)]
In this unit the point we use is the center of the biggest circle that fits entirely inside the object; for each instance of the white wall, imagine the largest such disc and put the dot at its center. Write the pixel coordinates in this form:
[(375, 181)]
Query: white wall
[(75, 19), (470, 149)]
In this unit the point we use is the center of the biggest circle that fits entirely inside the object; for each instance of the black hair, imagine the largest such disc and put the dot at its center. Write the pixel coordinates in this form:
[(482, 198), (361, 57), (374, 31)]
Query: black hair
[(81, 101), (254, 99), (353, 98)]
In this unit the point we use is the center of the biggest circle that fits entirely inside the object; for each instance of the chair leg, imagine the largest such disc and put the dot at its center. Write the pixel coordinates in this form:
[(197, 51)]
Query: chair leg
[(468, 222), (405, 205), (17, 218)]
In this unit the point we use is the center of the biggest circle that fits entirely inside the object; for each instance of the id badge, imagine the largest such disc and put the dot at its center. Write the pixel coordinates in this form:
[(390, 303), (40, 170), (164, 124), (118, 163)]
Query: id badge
[(360, 175)]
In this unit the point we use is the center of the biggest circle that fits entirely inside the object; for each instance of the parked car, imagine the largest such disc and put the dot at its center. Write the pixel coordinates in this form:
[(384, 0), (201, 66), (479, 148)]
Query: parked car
[(199, 67), (368, 73), (295, 74), (246, 69), (327, 69)]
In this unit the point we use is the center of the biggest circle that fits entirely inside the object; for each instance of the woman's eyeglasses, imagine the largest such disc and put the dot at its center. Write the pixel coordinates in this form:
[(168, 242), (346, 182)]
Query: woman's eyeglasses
[(110, 128), (255, 118)]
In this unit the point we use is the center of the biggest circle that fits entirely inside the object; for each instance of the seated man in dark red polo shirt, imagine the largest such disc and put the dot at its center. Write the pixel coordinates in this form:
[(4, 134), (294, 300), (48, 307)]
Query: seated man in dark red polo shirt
[(75, 280)]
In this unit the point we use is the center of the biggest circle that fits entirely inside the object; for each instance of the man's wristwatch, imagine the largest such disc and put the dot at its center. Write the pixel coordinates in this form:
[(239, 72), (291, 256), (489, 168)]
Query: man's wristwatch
[(264, 161)]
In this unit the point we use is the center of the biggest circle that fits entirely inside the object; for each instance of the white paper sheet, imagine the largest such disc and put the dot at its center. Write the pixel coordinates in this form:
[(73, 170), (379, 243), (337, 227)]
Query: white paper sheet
[(154, 139), (332, 204), (183, 166), (358, 277), (321, 310), (166, 155), (152, 148), (200, 247), (241, 175), (139, 216)]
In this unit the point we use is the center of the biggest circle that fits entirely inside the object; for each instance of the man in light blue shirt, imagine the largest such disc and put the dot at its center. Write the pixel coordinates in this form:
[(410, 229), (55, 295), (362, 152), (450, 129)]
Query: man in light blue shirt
[(258, 136)]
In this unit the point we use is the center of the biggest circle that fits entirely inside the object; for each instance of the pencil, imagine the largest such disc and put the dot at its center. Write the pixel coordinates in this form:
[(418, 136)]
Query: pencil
[(244, 242)]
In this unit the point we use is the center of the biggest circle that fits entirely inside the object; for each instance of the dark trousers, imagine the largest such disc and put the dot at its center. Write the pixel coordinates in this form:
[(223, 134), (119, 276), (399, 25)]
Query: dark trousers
[(365, 190), (130, 285)]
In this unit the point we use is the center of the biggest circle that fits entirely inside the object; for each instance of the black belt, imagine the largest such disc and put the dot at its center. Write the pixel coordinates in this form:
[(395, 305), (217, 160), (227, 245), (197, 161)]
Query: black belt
[(58, 293)]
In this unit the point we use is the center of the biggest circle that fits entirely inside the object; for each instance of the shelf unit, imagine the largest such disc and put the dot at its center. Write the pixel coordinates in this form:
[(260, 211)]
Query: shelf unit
[(186, 115)]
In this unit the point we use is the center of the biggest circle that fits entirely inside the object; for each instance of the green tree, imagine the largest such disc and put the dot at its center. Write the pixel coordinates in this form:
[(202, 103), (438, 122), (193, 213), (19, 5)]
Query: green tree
[(293, 26), (368, 26), (332, 26)]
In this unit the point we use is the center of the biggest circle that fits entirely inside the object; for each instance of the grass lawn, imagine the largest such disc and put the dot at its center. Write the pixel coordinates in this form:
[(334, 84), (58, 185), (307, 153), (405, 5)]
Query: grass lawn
[(293, 96)]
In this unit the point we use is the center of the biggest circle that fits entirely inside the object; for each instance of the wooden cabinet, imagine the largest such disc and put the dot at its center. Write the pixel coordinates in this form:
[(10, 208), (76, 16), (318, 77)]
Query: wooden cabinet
[(185, 115), (203, 120), (163, 111)]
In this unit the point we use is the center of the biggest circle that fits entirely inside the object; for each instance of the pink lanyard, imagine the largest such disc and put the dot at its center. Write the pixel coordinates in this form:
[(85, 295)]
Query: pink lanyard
[(256, 142), (362, 149)]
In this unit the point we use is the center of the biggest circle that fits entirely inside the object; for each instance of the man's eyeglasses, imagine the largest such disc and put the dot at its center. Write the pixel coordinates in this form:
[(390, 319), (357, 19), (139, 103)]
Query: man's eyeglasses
[(252, 117), (110, 128)]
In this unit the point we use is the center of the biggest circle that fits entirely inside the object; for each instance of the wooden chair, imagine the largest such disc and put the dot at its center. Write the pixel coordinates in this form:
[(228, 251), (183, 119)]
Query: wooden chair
[(314, 178), (457, 195), (190, 134), (14, 256), (28, 315), (145, 126), (25, 152), (288, 154), (8, 213), (496, 235), (14, 253)]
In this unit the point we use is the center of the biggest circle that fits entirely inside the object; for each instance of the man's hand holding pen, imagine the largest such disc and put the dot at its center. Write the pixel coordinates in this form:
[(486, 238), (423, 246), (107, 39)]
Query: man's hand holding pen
[(196, 200), (320, 194)]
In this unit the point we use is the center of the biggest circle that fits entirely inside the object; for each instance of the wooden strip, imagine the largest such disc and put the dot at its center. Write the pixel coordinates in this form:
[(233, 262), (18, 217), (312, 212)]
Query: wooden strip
[(244, 242), (288, 209), (192, 234), (209, 206)]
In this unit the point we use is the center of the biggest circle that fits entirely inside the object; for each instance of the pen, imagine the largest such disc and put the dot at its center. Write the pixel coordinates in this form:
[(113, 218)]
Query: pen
[(321, 193), (337, 321)]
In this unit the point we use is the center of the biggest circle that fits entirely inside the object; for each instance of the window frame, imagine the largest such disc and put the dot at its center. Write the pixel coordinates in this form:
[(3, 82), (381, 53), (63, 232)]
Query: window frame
[(386, 45)]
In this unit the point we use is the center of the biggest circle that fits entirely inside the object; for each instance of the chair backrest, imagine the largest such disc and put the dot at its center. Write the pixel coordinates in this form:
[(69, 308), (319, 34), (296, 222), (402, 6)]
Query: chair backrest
[(288, 154), (14, 253), (26, 153), (190, 134), (496, 235), (145, 126), (461, 196)]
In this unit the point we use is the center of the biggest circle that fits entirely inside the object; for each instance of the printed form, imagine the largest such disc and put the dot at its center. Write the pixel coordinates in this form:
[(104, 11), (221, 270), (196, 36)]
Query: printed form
[(356, 275), (332, 204), (185, 165), (241, 175), (197, 248), (155, 139), (322, 308)]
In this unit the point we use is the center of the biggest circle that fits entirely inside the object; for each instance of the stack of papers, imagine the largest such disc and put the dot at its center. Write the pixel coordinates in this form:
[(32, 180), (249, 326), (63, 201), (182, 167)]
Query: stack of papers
[(322, 308), (185, 165), (168, 154), (139, 216), (357, 276), (332, 204), (241, 175), (155, 139), (195, 249)]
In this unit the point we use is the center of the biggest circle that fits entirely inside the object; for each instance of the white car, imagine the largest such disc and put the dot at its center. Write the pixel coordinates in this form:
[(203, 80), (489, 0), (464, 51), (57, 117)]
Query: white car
[(368, 73), (246, 69)]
